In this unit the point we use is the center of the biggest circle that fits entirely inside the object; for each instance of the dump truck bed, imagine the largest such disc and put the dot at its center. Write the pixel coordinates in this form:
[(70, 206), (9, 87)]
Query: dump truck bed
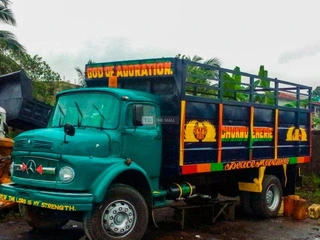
[(22, 110)]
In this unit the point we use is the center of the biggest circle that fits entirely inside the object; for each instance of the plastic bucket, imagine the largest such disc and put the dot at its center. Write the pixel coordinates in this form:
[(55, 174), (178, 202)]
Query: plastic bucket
[(299, 209), (288, 205)]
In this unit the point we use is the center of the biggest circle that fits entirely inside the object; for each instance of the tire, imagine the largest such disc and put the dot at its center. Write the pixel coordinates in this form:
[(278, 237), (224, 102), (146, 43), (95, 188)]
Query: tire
[(267, 203), (42, 218), (123, 215)]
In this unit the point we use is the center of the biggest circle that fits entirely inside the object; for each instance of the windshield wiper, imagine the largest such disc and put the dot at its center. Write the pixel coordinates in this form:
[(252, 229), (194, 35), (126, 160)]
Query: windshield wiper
[(80, 113), (62, 113), (101, 115)]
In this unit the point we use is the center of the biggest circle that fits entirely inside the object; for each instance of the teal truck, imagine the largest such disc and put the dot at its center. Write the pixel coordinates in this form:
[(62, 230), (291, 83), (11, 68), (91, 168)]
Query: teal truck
[(146, 133)]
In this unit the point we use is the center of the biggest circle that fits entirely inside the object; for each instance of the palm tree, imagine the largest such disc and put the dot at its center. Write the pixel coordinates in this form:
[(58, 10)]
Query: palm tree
[(199, 74), (8, 39)]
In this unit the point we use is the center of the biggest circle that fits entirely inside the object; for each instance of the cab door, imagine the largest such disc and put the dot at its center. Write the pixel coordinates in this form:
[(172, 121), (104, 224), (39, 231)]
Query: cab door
[(142, 137)]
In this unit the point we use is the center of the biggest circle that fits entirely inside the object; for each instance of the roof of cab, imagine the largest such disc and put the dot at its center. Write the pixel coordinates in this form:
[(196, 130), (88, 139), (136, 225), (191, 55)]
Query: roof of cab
[(130, 94)]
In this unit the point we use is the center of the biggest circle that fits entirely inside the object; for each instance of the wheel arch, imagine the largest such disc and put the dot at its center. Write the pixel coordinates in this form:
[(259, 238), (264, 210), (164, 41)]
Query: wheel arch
[(279, 172), (132, 175), (138, 181), (287, 175)]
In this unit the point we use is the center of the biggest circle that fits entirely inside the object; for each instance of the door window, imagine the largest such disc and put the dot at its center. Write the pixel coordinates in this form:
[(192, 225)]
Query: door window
[(141, 116)]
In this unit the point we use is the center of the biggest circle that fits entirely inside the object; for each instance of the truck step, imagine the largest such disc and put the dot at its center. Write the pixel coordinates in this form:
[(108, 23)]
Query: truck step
[(159, 198)]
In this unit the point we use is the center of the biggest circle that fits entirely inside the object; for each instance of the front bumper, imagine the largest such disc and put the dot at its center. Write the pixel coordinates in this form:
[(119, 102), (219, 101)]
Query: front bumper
[(62, 201)]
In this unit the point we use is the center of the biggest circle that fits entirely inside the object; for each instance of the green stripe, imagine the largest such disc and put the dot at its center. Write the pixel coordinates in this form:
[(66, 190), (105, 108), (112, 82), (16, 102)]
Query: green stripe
[(293, 160), (216, 167)]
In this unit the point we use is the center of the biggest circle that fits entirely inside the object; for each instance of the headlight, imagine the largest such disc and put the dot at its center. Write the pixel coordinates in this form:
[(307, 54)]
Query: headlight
[(66, 174)]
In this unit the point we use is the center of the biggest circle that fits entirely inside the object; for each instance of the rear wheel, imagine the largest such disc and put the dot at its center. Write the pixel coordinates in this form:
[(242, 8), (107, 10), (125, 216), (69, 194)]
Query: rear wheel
[(42, 218), (123, 215), (267, 203)]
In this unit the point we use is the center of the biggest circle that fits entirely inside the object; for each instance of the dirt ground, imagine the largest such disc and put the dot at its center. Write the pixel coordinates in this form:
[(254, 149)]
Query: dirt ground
[(196, 227)]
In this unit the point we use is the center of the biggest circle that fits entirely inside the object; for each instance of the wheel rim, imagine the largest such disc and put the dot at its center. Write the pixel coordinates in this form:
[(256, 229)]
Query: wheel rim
[(119, 218), (273, 197)]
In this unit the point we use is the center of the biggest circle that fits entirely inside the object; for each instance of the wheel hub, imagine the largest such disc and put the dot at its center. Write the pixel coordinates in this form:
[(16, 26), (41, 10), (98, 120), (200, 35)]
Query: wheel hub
[(272, 197), (119, 218), (269, 197)]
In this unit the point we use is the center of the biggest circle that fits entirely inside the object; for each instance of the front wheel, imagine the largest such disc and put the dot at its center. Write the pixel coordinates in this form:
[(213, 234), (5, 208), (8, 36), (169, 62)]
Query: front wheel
[(123, 215), (267, 203)]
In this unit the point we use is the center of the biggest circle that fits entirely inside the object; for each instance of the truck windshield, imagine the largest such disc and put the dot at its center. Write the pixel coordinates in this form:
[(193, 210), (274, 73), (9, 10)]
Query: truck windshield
[(85, 109)]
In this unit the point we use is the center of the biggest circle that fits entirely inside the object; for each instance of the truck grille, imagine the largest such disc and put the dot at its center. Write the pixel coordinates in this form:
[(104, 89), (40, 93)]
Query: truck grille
[(21, 143), (27, 143), (42, 144)]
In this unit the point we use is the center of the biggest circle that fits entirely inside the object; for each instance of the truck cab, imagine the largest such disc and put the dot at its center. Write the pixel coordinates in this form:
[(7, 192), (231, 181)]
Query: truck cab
[(93, 133)]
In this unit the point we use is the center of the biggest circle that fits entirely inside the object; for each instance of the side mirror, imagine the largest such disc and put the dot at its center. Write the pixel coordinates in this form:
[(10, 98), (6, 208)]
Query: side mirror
[(69, 129), (137, 110)]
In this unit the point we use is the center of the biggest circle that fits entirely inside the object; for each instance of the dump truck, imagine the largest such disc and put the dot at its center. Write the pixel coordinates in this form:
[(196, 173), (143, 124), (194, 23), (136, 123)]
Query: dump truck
[(144, 134), (23, 112)]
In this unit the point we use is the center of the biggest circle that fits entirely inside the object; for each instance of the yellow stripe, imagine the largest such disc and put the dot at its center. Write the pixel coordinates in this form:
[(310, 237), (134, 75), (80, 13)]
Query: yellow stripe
[(251, 132), (276, 122), (182, 131), (180, 189), (309, 136), (220, 124), (191, 189)]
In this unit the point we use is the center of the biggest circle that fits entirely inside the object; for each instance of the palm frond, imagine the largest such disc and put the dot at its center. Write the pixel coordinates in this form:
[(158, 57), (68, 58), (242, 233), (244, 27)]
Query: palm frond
[(196, 58), (5, 3), (7, 16), (213, 62), (9, 41), (80, 73)]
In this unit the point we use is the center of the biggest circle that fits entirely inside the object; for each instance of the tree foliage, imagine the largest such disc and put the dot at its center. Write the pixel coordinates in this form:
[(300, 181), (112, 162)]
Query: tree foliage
[(7, 64), (35, 67), (316, 93)]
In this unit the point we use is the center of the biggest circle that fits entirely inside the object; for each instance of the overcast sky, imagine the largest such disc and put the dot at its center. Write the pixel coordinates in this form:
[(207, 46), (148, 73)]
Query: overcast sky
[(282, 35)]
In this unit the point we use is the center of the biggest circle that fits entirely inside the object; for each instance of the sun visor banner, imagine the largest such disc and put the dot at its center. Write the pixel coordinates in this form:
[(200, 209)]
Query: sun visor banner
[(129, 69)]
